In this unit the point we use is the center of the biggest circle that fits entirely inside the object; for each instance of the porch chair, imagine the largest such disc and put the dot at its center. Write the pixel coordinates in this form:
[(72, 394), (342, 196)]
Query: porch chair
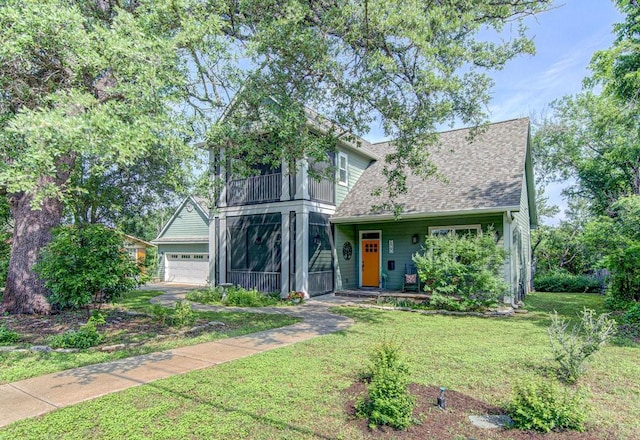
[(410, 280)]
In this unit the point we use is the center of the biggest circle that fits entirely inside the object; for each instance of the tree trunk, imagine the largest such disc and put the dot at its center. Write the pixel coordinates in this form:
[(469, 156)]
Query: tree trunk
[(24, 291)]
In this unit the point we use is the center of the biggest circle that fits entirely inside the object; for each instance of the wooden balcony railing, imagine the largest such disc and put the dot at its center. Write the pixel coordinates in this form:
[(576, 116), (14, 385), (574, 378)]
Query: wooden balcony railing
[(254, 189), (322, 190)]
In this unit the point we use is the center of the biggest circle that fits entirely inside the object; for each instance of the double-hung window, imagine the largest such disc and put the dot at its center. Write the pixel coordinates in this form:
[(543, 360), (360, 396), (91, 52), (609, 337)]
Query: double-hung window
[(343, 169)]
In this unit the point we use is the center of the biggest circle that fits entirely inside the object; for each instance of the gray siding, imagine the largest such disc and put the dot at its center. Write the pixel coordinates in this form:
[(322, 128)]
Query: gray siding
[(346, 275), (522, 219), (187, 224), (357, 164), (401, 233)]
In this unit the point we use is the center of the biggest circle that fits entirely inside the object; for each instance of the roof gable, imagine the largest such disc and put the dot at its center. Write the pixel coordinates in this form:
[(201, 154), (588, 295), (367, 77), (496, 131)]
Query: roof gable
[(190, 220), (485, 174)]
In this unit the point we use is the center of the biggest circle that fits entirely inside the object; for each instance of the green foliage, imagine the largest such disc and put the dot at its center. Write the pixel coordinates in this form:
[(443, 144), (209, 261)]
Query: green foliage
[(86, 266), (366, 56), (468, 266), (183, 315), (617, 239), (8, 336), (388, 401), (632, 316), (235, 296), (208, 295), (545, 406), (446, 302), (572, 346), (239, 297), (85, 337), (562, 281), (161, 314)]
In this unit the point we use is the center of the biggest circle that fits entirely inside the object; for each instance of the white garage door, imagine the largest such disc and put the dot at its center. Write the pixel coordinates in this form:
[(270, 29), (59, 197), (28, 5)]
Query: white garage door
[(187, 268)]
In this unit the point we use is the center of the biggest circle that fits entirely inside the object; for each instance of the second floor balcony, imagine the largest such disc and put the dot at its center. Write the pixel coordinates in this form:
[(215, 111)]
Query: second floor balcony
[(254, 189), (268, 188)]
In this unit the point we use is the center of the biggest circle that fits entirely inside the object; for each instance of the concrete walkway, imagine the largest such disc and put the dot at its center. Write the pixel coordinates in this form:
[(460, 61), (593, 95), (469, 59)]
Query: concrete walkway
[(40, 395)]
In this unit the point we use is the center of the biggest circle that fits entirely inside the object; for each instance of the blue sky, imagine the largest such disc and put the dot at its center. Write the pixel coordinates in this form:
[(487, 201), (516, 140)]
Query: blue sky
[(566, 37)]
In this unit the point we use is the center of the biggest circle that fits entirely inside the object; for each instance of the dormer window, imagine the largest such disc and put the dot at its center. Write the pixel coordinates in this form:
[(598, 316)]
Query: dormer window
[(343, 169)]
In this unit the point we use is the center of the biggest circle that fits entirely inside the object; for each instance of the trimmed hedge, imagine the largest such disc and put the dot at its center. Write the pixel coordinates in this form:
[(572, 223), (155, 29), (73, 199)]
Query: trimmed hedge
[(566, 282)]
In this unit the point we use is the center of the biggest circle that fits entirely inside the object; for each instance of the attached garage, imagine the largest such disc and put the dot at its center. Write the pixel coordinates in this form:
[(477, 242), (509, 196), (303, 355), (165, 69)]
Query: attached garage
[(187, 268)]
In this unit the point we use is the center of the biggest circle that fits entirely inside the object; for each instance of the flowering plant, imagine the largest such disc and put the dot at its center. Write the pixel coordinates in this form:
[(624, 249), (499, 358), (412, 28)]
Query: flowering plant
[(295, 296)]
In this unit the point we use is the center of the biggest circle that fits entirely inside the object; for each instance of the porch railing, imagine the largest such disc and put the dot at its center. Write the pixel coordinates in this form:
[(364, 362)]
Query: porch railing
[(263, 281), (322, 190), (320, 282), (254, 189)]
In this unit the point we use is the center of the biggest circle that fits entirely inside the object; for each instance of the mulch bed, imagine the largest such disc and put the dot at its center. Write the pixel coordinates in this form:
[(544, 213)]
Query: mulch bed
[(121, 327), (453, 423)]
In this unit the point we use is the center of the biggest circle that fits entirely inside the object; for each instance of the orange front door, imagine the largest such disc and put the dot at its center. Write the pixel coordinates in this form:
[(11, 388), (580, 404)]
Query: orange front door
[(370, 263)]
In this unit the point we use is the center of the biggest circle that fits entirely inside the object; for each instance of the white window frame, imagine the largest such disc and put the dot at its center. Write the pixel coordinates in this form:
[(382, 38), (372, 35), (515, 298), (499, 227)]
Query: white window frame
[(344, 182), (477, 227)]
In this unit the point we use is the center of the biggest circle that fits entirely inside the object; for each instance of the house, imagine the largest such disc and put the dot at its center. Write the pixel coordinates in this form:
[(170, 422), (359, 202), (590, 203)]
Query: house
[(283, 230), (183, 244), (137, 248)]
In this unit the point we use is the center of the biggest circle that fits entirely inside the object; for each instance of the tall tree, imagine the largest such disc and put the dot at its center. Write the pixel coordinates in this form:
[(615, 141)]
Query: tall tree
[(91, 78), (79, 79), (408, 66)]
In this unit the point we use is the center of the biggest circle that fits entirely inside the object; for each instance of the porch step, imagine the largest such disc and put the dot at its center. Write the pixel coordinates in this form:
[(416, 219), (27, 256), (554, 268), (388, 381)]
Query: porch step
[(381, 294)]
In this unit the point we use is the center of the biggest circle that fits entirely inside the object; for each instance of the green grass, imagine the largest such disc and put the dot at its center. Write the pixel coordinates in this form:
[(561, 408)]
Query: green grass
[(295, 392), (16, 366)]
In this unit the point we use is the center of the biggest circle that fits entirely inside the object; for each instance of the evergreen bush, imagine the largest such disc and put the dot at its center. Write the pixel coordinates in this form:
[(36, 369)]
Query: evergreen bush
[(389, 401)]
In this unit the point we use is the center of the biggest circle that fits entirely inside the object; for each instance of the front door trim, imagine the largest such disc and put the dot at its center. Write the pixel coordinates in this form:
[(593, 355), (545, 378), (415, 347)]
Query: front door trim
[(361, 233)]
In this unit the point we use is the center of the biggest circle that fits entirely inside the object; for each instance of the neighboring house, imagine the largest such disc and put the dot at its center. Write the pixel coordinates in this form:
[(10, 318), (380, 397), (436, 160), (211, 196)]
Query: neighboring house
[(183, 244), (137, 248), (283, 230)]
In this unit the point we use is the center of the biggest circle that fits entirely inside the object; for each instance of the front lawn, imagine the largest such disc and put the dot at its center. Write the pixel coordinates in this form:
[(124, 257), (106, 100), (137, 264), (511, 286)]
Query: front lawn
[(139, 332), (299, 391)]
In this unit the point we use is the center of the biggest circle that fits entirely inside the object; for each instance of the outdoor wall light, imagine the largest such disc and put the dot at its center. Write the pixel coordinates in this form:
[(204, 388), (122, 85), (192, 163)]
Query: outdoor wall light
[(415, 238), (258, 240), (316, 239)]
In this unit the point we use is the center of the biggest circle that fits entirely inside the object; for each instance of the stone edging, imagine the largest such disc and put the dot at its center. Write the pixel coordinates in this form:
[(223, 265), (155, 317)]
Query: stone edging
[(491, 314)]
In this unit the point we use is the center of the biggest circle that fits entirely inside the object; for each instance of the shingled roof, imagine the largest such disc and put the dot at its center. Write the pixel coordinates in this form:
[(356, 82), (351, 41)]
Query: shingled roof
[(486, 174)]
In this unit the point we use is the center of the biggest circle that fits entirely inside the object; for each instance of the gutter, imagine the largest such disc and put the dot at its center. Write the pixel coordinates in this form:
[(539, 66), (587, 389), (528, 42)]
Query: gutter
[(387, 217)]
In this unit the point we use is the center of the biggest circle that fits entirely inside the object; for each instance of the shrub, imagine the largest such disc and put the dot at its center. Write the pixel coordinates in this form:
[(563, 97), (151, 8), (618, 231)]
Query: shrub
[(236, 296), (8, 336), (388, 401), (183, 315), (545, 406), (161, 313), (239, 297), (629, 328), (469, 266), (208, 295), (85, 266), (561, 281), (86, 336), (571, 347), (442, 302), (632, 317), (615, 303)]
